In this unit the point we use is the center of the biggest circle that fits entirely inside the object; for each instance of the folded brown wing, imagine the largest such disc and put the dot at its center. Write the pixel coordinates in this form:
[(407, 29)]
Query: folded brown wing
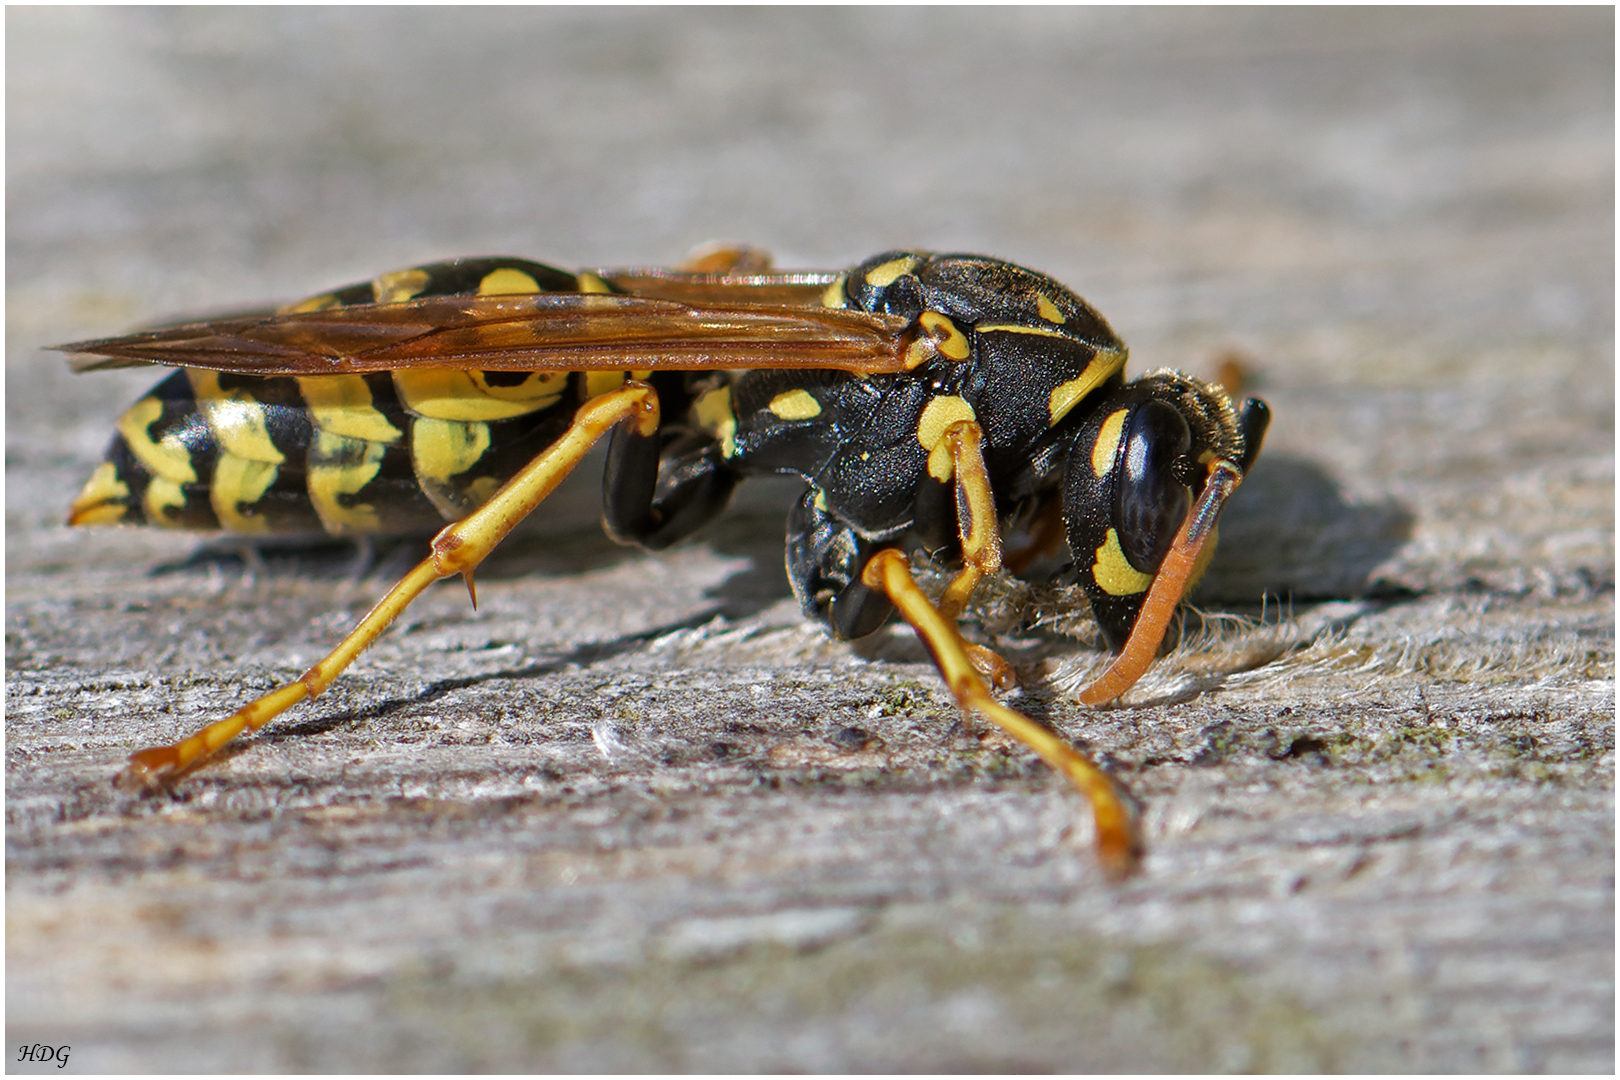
[(542, 331)]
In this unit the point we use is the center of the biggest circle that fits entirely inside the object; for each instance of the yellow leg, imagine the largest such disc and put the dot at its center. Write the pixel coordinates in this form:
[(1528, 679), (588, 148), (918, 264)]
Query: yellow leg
[(1118, 848), (456, 550), (963, 445), (976, 515)]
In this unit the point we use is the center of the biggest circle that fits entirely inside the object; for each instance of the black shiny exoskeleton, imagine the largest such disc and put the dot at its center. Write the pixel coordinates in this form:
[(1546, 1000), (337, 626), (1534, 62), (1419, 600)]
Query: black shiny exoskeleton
[(864, 450), (930, 401)]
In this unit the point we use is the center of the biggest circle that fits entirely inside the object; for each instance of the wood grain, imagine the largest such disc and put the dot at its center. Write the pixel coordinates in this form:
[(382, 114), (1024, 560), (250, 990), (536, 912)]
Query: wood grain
[(634, 813)]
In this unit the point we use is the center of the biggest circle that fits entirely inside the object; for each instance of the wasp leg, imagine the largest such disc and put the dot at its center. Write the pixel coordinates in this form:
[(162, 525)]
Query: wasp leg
[(1118, 847), (961, 451), (963, 447), (825, 556), (724, 258), (456, 550), (653, 496)]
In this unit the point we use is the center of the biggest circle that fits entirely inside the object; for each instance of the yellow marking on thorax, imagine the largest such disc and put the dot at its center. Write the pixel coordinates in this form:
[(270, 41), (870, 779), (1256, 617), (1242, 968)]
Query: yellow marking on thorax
[(338, 466), (1108, 436), (166, 457), (239, 423), (714, 414), (948, 340), (834, 296), (441, 449), (1065, 396), (342, 404), (162, 494), (239, 481), (940, 414), (1114, 573), (587, 282), (598, 383), (507, 281), (941, 462), (1048, 310), (397, 286), (103, 500), (314, 303), (1013, 328), (888, 273), (465, 395), (795, 405)]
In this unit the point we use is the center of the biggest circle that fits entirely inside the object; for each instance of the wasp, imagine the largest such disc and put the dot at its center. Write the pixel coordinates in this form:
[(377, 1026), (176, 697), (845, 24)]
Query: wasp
[(927, 401)]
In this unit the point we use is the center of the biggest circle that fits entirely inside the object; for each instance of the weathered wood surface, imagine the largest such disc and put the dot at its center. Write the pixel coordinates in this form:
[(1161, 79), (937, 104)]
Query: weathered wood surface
[(634, 813)]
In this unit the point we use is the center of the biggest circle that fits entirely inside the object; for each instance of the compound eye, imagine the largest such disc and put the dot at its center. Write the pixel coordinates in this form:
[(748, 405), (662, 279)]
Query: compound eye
[(1152, 502)]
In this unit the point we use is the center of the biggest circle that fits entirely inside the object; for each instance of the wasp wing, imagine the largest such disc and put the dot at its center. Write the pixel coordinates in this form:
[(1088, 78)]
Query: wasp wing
[(526, 332), (802, 288)]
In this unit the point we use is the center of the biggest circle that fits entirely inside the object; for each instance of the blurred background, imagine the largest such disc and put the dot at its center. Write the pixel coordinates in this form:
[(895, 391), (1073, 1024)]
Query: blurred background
[(1399, 220)]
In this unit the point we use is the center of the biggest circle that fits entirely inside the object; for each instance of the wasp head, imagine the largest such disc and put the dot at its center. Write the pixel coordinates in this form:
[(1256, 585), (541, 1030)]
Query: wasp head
[(1147, 476)]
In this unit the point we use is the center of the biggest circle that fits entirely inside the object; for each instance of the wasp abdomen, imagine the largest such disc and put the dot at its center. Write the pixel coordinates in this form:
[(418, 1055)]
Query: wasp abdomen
[(342, 454)]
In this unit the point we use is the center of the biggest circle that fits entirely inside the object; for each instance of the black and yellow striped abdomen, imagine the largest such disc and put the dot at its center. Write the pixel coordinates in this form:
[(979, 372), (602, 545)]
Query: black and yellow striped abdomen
[(342, 454)]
